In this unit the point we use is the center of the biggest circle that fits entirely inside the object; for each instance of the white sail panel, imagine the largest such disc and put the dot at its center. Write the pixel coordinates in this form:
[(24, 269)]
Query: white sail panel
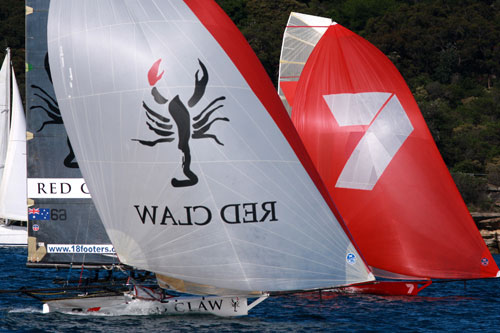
[(13, 203), (377, 147), (191, 175), (5, 96), (301, 35), (355, 109)]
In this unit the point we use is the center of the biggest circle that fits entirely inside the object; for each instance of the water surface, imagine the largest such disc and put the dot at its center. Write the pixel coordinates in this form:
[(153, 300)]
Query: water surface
[(454, 307)]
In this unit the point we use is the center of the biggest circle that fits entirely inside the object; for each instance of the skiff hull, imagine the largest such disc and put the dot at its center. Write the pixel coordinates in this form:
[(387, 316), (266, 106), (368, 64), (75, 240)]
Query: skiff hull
[(128, 304)]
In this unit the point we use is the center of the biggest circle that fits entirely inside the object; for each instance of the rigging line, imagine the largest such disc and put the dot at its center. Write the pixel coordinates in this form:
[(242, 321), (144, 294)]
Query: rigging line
[(81, 274), (68, 275)]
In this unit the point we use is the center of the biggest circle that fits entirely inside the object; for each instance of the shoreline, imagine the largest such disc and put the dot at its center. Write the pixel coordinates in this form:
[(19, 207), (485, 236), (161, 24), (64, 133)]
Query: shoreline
[(488, 224)]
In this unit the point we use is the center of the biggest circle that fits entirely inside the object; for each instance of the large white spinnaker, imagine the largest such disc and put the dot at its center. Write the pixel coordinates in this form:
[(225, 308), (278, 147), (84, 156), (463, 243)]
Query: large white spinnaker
[(13, 204), (301, 35), (193, 163)]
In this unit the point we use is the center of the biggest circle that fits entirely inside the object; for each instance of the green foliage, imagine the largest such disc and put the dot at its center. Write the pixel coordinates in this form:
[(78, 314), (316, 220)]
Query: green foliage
[(12, 36), (493, 171), (473, 190), (441, 38), (236, 9), (358, 12)]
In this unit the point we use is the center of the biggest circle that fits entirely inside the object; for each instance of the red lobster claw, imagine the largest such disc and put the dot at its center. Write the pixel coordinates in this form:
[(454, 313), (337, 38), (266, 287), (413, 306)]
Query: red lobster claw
[(153, 76)]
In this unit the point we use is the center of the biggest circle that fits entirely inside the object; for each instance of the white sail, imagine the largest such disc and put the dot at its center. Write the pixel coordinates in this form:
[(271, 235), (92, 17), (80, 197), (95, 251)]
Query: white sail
[(205, 182), (13, 204), (5, 95), (301, 35)]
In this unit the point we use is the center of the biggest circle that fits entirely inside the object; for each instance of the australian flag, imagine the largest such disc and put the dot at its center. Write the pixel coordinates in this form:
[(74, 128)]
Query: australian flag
[(39, 214)]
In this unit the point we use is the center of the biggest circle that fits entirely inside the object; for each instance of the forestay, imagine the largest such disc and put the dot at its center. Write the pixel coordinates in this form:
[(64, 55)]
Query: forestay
[(369, 141), (192, 161)]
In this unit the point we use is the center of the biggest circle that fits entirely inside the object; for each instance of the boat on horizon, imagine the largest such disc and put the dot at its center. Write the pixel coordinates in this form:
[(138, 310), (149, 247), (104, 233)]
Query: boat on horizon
[(13, 215)]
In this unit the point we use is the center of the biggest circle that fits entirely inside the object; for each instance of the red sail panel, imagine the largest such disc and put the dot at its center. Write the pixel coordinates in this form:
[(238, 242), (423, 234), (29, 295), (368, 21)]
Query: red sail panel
[(288, 88), (370, 143)]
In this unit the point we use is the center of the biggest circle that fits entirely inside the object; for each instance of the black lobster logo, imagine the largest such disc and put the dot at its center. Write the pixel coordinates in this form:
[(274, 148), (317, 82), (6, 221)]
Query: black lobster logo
[(52, 110), (187, 127)]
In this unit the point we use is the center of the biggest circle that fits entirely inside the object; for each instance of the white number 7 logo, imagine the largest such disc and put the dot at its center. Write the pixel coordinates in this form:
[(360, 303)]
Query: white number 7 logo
[(389, 127)]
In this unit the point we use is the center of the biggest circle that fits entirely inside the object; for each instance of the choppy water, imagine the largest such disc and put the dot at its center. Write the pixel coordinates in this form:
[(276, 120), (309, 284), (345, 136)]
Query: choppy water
[(441, 307)]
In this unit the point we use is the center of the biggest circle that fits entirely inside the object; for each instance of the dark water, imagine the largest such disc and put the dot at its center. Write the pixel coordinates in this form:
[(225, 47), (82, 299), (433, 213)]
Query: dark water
[(441, 307)]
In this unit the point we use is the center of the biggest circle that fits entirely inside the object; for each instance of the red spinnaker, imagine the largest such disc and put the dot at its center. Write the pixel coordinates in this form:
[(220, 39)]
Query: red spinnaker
[(371, 145)]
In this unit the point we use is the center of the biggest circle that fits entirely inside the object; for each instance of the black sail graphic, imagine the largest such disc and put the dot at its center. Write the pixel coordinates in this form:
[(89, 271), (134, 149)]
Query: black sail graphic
[(187, 128), (64, 227)]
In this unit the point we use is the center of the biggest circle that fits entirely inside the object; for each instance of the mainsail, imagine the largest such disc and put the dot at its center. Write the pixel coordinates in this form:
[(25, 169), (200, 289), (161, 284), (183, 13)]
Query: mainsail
[(64, 228), (301, 35), (12, 160), (370, 143), (13, 184), (193, 163)]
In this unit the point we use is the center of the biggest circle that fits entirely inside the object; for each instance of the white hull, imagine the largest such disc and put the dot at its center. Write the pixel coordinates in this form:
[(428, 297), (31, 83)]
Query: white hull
[(128, 304), (12, 235)]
